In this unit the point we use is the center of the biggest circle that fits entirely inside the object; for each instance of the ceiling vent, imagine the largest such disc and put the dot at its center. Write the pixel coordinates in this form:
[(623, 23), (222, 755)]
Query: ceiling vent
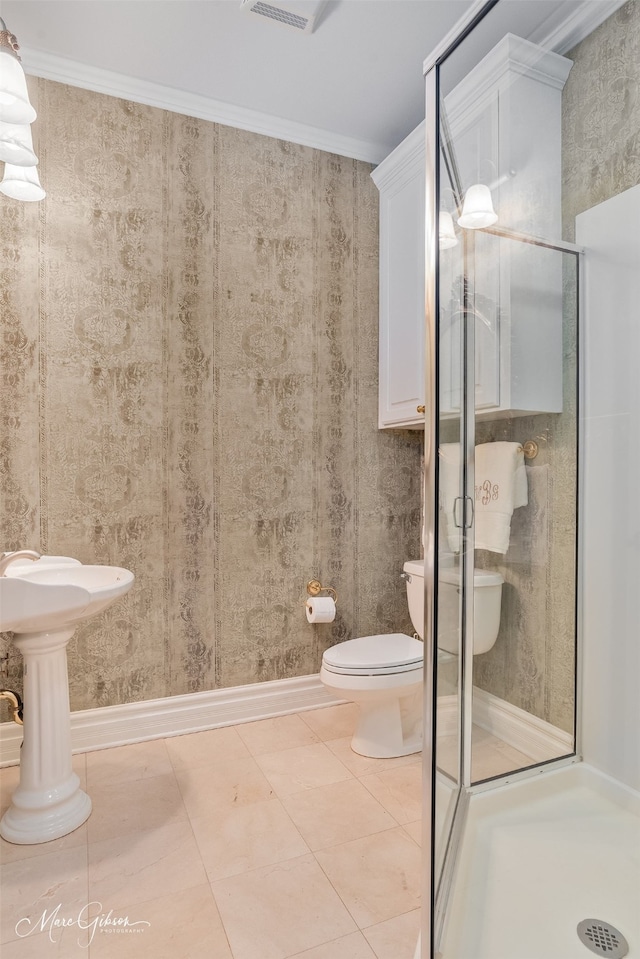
[(302, 15)]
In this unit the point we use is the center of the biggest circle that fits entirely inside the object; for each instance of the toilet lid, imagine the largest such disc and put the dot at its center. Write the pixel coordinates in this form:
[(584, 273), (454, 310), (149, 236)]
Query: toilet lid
[(375, 655), (481, 577)]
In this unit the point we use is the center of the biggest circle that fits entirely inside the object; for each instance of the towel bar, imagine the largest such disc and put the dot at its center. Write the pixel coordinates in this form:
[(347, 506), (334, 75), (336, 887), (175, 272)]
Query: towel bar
[(530, 449)]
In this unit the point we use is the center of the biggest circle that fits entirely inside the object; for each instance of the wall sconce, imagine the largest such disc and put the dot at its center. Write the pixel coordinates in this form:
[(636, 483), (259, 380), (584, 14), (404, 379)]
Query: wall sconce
[(20, 179), (477, 209), (446, 232), (21, 183), (16, 145)]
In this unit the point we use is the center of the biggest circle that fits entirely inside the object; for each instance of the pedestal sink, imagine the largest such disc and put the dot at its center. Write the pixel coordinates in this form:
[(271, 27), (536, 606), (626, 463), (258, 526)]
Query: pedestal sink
[(42, 603)]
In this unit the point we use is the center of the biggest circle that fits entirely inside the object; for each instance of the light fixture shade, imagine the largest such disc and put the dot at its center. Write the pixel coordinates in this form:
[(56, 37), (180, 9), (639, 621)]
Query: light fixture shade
[(15, 106), (477, 210), (16, 144), (446, 232), (21, 183)]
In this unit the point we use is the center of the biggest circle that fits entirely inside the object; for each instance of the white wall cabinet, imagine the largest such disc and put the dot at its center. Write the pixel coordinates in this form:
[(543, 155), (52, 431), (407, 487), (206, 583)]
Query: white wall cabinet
[(400, 178), (505, 122)]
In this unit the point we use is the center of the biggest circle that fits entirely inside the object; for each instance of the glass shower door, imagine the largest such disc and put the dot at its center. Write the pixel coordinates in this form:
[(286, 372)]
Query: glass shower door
[(501, 445)]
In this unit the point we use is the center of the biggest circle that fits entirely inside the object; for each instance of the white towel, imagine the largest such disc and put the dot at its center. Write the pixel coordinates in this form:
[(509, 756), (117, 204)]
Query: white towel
[(449, 455), (501, 487)]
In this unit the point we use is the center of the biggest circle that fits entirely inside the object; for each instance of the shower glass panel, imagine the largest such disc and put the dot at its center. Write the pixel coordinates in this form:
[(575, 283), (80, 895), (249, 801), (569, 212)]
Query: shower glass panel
[(502, 302)]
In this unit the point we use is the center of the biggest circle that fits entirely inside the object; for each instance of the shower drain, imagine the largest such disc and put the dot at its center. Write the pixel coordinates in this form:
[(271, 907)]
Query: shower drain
[(602, 938)]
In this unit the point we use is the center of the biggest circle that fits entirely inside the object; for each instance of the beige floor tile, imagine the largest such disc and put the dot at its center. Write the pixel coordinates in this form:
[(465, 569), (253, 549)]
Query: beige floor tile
[(395, 938), (186, 924), (152, 863), (414, 829), (447, 755), (271, 735), (354, 946), (304, 767), (332, 722), (69, 943), (122, 809), (206, 748), (13, 852), (281, 910), (232, 841), (122, 764), (9, 779), (207, 789), (32, 890), (79, 766), (377, 878), (364, 765), (480, 735), (337, 813), (399, 790), (492, 757)]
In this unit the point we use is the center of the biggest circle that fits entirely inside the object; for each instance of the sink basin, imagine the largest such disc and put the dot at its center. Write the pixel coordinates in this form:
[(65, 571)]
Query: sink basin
[(57, 592)]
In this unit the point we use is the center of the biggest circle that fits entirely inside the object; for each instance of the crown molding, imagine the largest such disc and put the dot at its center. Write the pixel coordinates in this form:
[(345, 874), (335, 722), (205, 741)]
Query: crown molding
[(62, 70), (400, 163), (563, 36), (558, 33)]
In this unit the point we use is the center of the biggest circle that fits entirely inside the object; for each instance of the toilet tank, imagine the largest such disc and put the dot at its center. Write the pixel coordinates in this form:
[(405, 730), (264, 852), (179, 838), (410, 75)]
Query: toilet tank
[(414, 570), (487, 600)]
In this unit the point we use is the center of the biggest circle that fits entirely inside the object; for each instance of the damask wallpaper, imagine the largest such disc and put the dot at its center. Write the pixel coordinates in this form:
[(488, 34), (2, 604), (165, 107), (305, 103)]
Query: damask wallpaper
[(188, 388), (532, 664), (601, 133)]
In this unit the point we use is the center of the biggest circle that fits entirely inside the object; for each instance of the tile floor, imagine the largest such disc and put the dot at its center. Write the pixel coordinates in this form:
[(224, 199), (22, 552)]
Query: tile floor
[(266, 840), (489, 756)]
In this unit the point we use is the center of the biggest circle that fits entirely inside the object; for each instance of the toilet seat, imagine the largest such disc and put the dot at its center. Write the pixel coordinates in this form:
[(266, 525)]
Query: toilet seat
[(380, 655)]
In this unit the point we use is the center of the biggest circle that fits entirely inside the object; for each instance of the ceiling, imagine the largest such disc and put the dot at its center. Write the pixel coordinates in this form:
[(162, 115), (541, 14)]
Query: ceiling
[(356, 80)]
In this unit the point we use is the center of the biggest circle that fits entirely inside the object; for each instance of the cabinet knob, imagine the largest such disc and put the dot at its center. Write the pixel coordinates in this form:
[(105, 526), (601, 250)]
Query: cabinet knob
[(420, 409)]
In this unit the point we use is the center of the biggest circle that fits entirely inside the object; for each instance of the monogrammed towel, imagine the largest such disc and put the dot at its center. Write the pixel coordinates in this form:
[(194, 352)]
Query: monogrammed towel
[(501, 487)]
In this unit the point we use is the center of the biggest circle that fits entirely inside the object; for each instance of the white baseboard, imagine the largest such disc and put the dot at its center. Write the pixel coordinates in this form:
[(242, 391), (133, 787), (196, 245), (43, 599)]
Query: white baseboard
[(175, 715), (529, 735)]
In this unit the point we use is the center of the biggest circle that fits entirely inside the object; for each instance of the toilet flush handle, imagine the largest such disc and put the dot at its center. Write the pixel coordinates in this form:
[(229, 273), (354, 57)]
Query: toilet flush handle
[(406, 576)]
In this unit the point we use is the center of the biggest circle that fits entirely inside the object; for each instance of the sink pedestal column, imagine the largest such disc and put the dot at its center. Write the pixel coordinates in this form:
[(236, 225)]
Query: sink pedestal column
[(48, 803)]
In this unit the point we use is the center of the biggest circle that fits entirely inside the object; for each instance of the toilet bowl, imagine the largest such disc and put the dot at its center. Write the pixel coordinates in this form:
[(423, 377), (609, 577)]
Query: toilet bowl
[(383, 673)]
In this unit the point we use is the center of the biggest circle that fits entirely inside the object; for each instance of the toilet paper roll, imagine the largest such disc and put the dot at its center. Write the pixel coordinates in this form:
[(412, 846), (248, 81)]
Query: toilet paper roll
[(320, 609)]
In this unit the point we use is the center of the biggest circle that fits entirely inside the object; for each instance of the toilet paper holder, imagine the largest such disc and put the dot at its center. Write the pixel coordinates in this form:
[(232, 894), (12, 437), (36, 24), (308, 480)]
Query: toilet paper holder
[(314, 588)]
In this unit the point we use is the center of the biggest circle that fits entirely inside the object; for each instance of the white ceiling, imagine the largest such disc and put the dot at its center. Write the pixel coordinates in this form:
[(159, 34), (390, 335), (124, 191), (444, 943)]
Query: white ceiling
[(358, 76)]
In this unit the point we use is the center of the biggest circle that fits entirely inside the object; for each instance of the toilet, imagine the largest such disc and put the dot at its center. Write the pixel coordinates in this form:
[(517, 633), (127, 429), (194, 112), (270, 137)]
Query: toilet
[(383, 673)]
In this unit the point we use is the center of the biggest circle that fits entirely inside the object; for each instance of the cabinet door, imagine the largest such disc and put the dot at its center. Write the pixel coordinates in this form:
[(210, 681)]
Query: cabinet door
[(402, 323), (483, 304), (475, 257)]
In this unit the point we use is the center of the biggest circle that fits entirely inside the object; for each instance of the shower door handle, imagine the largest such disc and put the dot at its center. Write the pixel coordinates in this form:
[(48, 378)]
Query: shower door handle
[(463, 512)]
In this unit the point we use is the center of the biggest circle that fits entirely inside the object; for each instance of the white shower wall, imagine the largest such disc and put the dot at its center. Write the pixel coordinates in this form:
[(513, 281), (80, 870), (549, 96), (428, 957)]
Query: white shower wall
[(610, 235)]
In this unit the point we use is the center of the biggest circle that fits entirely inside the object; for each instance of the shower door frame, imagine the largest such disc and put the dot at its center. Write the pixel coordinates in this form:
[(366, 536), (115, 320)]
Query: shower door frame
[(436, 888)]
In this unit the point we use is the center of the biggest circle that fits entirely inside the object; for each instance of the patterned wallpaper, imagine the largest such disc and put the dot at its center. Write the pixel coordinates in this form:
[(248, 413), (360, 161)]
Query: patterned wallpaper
[(601, 132), (188, 388), (532, 663)]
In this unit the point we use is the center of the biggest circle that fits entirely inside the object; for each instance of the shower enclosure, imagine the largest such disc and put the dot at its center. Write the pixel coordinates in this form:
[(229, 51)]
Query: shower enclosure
[(502, 437)]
